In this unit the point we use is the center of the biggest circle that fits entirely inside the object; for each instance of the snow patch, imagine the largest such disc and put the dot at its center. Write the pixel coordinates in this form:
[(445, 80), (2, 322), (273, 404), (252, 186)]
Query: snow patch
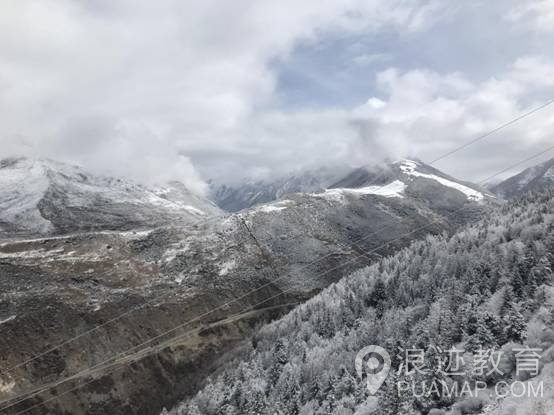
[(409, 167), (226, 267), (194, 210), (96, 306), (32, 253), (159, 200), (6, 387), (273, 207), (393, 189), (171, 253)]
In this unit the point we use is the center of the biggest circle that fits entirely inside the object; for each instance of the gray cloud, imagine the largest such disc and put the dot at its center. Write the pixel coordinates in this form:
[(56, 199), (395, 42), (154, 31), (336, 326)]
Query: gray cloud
[(189, 90)]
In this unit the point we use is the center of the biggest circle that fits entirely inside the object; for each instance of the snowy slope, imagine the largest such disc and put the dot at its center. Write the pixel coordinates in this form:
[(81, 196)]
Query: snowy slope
[(393, 189), (44, 196), (362, 180), (410, 168), (418, 179)]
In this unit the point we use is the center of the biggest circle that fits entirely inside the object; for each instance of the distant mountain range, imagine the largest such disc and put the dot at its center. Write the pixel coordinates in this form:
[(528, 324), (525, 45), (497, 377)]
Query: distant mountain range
[(233, 198), (248, 194)]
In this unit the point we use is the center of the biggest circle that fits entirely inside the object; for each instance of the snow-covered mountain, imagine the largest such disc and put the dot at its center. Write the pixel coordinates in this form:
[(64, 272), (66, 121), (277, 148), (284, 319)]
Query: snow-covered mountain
[(413, 174), (368, 179), (534, 178), (40, 196)]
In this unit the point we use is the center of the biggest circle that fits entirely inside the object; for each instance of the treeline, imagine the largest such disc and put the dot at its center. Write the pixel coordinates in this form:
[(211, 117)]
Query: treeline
[(488, 286)]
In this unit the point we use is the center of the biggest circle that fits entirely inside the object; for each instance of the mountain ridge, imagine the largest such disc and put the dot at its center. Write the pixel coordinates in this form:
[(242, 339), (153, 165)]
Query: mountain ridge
[(536, 177), (253, 193), (41, 196)]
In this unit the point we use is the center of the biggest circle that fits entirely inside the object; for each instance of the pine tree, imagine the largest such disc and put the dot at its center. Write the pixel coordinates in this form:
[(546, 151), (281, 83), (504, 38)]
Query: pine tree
[(389, 402), (483, 338), (279, 359), (514, 325), (378, 297), (542, 272)]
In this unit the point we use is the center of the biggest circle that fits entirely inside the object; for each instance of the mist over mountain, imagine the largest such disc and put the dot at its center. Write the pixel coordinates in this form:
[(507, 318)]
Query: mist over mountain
[(248, 193), (243, 195)]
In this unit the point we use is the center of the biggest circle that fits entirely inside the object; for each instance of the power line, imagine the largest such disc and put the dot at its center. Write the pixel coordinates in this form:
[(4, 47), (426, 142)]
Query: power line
[(500, 127)]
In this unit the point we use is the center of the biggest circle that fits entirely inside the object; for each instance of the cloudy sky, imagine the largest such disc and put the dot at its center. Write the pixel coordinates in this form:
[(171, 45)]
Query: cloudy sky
[(191, 90)]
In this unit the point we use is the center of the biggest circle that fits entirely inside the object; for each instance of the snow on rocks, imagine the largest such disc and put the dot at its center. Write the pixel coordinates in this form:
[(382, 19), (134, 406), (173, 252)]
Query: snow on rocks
[(394, 189), (226, 267), (6, 387), (273, 207)]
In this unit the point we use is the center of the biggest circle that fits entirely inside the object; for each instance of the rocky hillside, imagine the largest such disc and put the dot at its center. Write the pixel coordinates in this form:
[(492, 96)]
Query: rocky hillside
[(537, 177), (47, 197), (251, 266)]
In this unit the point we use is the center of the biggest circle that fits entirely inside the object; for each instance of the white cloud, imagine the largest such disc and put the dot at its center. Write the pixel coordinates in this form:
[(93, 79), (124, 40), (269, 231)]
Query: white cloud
[(428, 114), (124, 86), (147, 89), (539, 13), (420, 113)]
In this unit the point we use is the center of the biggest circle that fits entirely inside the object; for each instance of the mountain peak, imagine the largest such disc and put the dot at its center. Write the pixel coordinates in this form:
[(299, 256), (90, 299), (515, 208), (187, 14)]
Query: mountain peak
[(405, 170), (415, 174)]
